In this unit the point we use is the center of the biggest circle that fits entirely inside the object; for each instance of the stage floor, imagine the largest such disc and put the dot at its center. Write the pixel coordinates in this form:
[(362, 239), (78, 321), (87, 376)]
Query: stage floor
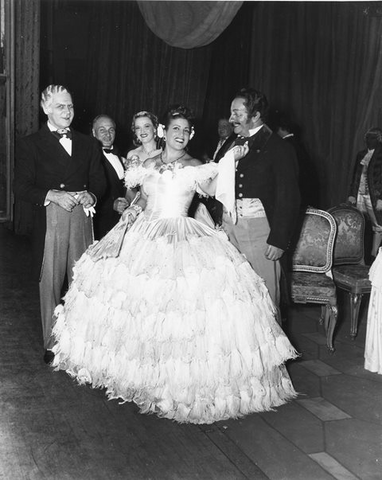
[(51, 428)]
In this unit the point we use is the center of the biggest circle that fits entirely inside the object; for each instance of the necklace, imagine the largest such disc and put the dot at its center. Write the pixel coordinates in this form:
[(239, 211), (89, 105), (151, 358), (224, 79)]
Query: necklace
[(170, 166), (148, 153), (172, 161)]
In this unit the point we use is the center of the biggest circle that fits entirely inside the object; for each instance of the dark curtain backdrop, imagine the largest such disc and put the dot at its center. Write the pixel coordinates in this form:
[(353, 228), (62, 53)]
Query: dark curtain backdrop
[(130, 69), (27, 65), (321, 63)]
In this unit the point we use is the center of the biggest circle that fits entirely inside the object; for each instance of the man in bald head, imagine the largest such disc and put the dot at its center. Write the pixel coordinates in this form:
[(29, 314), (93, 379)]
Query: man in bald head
[(106, 217)]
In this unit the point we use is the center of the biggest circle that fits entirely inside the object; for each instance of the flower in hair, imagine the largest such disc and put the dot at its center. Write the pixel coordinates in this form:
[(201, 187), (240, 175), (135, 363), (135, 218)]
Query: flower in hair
[(160, 130)]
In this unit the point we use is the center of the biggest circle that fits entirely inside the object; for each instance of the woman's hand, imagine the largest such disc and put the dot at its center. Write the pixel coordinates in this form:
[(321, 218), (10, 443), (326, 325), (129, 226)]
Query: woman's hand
[(131, 213), (120, 204)]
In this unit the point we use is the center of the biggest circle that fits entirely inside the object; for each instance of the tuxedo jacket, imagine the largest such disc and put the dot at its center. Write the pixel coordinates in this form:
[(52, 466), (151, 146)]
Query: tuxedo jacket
[(106, 217), (42, 164), (270, 172)]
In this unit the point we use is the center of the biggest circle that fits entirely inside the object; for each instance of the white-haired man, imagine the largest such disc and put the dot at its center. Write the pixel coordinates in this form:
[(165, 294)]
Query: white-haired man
[(59, 171)]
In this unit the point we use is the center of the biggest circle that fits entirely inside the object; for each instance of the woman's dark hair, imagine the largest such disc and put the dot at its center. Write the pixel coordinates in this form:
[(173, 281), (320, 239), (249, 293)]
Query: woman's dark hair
[(178, 111), (254, 102), (143, 113)]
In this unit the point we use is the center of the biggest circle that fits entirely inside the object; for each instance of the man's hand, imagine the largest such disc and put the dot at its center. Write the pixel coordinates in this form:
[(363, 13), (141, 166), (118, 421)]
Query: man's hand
[(352, 200), (65, 200), (240, 151), (86, 199), (273, 253), (379, 205)]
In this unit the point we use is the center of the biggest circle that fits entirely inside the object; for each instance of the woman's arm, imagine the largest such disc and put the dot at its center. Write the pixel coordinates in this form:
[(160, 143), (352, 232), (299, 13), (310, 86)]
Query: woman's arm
[(138, 206)]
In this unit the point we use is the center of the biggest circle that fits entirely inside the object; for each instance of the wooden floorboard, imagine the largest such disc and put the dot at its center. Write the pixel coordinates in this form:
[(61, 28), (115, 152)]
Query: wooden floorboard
[(51, 428)]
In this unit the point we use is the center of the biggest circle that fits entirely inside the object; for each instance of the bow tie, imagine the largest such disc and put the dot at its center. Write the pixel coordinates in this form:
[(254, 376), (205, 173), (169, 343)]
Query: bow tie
[(62, 133), (240, 140), (108, 150)]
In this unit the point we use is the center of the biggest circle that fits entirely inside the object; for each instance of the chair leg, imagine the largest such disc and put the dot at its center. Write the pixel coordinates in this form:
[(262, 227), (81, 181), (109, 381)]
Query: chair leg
[(324, 313), (330, 325), (355, 303)]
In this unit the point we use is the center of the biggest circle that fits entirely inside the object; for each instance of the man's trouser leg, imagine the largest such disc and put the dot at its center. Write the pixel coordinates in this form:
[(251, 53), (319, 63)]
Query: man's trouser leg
[(249, 236), (68, 234)]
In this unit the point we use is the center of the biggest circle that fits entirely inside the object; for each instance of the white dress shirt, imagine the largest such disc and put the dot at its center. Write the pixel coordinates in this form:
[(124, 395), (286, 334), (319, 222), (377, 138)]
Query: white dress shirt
[(115, 163), (65, 141)]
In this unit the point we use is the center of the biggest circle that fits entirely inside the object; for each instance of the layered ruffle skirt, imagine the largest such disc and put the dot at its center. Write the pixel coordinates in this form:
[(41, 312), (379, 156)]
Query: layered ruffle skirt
[(178, 323), (373, 343)]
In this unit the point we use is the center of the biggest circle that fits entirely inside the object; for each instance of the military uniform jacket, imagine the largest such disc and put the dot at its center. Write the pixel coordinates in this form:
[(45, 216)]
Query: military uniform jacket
[(270, 172)]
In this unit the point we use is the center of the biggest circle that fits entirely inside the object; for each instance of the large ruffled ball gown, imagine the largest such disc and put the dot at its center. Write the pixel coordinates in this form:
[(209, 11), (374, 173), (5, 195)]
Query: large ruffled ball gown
[(373, 343), (178, 322)]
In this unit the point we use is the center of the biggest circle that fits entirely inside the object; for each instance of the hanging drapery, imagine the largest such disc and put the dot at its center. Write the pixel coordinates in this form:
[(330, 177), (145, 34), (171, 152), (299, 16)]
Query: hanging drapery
[(143, 72), (27, 68), (188, 24), (321, 63)]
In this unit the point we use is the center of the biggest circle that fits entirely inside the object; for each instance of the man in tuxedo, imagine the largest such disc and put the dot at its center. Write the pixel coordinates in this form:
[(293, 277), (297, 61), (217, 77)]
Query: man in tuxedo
[(366, 185), (106, 217), (226, 138), (266, 191), (59, 171)]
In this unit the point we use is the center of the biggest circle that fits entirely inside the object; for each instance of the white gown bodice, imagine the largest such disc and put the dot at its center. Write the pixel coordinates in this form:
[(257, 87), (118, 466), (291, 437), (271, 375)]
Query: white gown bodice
[(169, 193)]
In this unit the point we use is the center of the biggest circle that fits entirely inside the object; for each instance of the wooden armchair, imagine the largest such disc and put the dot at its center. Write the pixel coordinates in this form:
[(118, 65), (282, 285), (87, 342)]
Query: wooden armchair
[(349, 270), (311, 278)]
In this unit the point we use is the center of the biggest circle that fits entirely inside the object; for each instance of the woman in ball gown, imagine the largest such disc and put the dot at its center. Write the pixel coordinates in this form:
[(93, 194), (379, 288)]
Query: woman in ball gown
[(373, 344), (178, 322), (144, 126)]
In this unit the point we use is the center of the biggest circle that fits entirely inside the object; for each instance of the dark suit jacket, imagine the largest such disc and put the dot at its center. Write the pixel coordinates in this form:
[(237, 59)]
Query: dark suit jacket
[(42, 164), (269, 172), (106, 217)]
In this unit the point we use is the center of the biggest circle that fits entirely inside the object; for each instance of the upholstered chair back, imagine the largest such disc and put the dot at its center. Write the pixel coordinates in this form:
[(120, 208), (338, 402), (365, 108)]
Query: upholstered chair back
[(314, 248), (349, 244)]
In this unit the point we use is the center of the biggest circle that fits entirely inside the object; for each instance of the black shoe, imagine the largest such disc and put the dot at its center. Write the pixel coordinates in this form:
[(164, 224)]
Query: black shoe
[(48, 357)]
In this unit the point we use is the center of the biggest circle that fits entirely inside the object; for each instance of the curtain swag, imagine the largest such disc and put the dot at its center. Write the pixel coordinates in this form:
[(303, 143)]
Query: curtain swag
[(188, 24)]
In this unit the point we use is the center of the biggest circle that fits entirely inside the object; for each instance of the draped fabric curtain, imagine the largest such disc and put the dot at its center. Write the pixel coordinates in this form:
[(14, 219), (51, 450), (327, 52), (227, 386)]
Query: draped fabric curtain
[(130, 69), (321, 63), (27, 67), (188, 24)]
